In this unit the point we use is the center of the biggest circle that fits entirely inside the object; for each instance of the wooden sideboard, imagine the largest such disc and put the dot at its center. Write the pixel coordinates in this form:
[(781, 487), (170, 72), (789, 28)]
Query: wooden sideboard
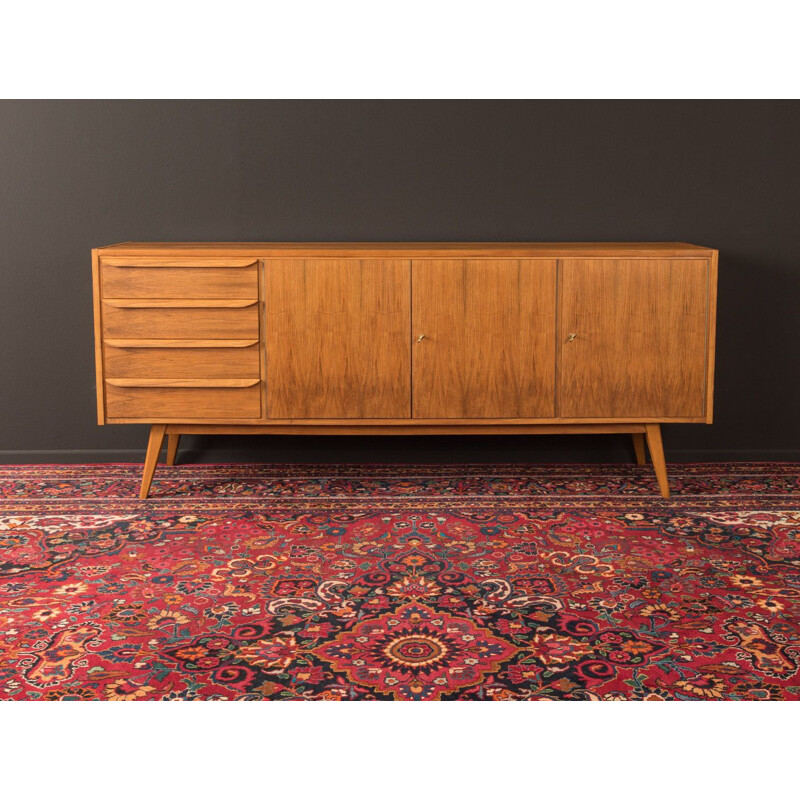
[(404, 338)]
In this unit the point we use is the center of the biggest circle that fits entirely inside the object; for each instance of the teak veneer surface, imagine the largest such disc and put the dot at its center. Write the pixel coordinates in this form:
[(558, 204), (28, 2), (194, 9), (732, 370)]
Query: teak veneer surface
[(484, 338), (337, 338), (151, 302), (179, 281), (632, 337), (409, 425), (424, 429), (184, 402), (159, 322), (408, 249), (126, 359)]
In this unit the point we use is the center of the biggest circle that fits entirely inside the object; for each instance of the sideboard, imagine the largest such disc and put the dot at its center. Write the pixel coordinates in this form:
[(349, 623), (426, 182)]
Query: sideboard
[(404, 338)]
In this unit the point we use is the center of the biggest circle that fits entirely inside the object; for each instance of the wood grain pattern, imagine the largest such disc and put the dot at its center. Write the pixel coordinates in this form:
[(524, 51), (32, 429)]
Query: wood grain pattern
[(418, 429), (173, 439), (128, 302), (154, 443), (489, 338), (145, 403), (179, 282), (169, 323), (639, 448), (654, 444), (406, 250), (191, 383), (712, 336), (337, 338), (639, 346), (98, 340), (190, 343), (163, 361), (262, 344), (408, 424), (177, 261)]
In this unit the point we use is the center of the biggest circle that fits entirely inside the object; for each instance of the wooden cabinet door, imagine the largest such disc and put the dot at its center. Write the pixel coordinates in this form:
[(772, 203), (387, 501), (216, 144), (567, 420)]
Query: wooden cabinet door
[(488, 338), (338, 338), (632, 337)]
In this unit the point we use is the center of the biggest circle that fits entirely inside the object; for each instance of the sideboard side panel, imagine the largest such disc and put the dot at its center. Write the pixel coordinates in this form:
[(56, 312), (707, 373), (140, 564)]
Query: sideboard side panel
[(712, 335), (98, 340)]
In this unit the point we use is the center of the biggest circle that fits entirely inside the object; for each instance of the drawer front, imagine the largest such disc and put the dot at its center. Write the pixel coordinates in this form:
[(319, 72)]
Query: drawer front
[(154, 402), (171, 281), (178, 322), (131, 358)]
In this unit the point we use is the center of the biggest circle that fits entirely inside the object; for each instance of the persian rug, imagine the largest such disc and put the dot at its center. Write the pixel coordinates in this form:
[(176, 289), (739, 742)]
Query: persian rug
[(387, 582)]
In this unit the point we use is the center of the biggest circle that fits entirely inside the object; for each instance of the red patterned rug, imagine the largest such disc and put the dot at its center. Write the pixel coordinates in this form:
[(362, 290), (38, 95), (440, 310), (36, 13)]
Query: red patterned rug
[(480, 582)]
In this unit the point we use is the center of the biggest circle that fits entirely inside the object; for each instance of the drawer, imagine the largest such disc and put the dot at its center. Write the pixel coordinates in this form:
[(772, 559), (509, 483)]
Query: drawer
[(187, 358), (181, 319), (152, 278), (205, 400)]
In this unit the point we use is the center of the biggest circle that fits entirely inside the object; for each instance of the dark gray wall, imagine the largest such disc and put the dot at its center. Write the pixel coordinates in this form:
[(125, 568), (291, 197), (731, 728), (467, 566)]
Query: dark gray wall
[(75, 174)]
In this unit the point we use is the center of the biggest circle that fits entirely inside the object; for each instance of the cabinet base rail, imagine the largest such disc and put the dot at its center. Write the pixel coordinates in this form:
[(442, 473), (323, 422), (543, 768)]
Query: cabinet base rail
[(641, 432)]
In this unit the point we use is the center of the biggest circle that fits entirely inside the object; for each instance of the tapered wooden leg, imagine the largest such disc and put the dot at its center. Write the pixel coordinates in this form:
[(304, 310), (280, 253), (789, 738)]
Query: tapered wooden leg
[(638, 446), (653, 433), (151, 459), (172, 447)]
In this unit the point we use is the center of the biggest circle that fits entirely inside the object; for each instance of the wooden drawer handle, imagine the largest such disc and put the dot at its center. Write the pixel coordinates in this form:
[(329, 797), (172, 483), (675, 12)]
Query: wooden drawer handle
[(230, 263), (136, 303), (180, 342), (187, 383)]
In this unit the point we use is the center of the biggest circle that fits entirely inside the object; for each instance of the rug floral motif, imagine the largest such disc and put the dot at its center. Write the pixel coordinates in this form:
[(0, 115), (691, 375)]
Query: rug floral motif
[(384, 582)]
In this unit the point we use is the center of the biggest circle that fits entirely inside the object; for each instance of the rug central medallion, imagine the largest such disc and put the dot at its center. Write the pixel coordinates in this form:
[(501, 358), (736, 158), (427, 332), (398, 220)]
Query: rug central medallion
[(415, 653)]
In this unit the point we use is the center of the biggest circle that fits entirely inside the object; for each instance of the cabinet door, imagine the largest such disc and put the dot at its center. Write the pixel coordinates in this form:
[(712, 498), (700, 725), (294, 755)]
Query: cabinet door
[(338, 338), (488, 346), (632, 337)]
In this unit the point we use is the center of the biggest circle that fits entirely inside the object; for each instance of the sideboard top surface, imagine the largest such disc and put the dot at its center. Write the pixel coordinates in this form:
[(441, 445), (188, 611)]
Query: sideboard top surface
[(412, 249)]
